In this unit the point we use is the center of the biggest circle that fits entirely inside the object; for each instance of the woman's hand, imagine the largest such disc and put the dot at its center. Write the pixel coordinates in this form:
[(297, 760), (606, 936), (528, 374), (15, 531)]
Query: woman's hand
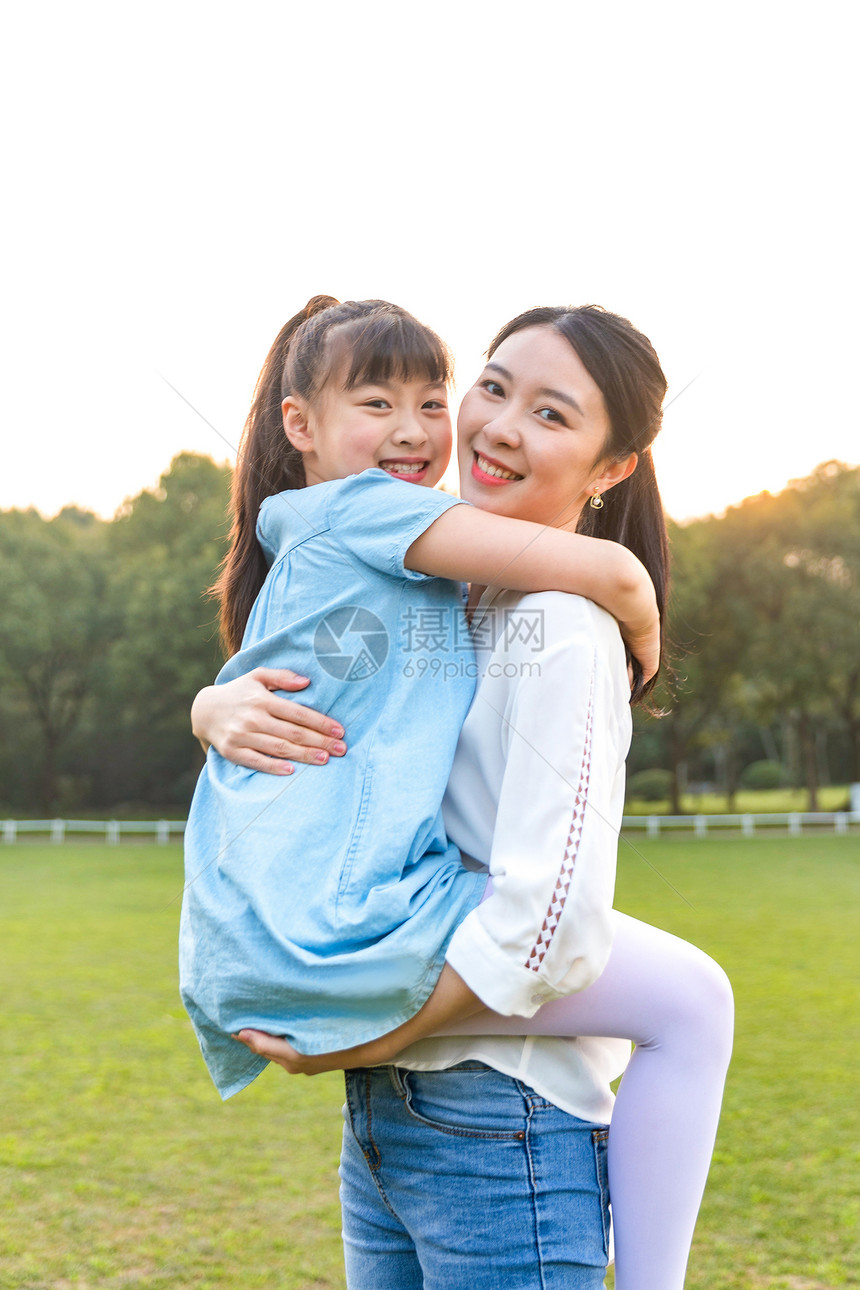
[(376, 1053), (451, 1000), (250, 725)]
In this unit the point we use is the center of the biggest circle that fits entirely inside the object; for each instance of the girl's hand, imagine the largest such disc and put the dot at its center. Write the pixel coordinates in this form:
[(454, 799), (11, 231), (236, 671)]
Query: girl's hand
[(644, 644), (250, 725), (638, 616)]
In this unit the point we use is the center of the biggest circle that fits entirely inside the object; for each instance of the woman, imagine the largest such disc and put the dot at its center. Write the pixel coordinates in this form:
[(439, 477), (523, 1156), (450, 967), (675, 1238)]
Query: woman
[(535, 794)]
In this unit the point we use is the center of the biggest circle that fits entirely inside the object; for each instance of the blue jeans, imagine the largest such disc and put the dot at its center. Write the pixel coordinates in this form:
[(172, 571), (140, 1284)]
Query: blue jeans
[(466, 1179)]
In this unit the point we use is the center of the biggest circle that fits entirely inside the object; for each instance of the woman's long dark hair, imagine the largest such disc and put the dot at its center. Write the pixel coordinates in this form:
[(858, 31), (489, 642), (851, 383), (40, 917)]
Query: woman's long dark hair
[(624, 366), (362, 341)]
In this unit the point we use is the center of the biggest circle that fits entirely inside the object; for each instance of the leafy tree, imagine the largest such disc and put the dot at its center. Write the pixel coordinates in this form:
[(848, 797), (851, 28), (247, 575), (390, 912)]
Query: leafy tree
[(166, 545), (802, 570), (56, 632), (702, 693), (827, 552), (766, 603)]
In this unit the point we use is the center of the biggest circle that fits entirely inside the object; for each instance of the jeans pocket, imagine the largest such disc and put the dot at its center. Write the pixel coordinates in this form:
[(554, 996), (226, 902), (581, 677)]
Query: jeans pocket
[(600, 1144), (470, 1100)]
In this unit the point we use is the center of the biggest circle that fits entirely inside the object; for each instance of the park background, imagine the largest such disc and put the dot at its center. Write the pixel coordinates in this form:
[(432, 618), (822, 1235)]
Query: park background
[(107, 634), (182, 178)]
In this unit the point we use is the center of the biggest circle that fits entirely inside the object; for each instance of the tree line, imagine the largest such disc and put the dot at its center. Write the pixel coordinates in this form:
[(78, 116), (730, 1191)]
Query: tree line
[(107, 633)]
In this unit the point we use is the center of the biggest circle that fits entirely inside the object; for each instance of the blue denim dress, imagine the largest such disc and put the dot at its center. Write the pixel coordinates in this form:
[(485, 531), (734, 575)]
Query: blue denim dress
[(319, 906)]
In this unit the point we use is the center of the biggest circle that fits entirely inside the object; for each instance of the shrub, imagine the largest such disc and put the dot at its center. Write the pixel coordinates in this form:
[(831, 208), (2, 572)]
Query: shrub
[(763, 775), (652, 785)]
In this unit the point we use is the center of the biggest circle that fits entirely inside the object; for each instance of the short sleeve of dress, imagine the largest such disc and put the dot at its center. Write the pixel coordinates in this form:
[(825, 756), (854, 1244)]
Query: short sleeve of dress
[(268, 548), (376, 518), (288, 518)]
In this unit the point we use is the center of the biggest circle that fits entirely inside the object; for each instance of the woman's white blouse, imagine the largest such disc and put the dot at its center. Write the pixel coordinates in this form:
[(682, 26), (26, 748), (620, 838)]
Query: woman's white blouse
[(536, 795)]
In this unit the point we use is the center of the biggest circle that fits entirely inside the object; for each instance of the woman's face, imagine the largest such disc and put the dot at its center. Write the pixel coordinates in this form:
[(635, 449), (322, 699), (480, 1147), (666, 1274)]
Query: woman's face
[(533, 431)]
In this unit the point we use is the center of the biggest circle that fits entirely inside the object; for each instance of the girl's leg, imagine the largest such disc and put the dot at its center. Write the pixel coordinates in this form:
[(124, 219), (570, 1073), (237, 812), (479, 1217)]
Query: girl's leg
[(675, 1003)]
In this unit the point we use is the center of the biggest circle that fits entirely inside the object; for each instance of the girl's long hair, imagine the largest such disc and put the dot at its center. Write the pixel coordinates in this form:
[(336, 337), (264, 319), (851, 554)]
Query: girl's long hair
[(362, 342), (625, 367)]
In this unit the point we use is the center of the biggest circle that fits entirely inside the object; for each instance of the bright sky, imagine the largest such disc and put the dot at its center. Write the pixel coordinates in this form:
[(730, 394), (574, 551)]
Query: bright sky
[(185, 175)]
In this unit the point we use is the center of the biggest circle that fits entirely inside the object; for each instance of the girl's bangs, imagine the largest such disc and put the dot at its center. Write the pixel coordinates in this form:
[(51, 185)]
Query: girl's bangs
[(392, 347)]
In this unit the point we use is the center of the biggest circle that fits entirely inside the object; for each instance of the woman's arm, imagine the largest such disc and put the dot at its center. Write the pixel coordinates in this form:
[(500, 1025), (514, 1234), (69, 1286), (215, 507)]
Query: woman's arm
[(451, 1000), (253, 726), (466, 544)]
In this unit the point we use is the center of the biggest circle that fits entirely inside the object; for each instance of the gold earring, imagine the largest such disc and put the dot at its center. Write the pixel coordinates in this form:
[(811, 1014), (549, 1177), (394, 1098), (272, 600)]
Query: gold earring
[(596, 502)]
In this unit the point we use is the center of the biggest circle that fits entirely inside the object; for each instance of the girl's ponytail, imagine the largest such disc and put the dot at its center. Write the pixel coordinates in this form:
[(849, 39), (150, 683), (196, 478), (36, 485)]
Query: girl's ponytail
[(266, 463)]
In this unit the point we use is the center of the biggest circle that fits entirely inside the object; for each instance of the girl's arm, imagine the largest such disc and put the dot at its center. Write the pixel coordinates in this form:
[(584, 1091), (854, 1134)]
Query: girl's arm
[(253, 726), (469, 545)]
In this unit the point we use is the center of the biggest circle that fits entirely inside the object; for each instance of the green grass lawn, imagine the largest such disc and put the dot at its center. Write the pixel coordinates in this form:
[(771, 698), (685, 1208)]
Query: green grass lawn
[(121, 1168), (781, 914)]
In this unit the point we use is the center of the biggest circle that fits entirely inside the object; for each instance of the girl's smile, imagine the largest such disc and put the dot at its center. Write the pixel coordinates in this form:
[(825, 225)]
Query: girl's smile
[(413, 469)]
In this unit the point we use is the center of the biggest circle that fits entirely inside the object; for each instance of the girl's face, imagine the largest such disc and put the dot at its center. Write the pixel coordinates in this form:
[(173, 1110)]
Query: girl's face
[(532, 433), (404, 427)]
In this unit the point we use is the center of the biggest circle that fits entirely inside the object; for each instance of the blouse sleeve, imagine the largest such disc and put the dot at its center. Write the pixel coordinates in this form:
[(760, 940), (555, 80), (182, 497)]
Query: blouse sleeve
[(545, 931), (375, 518)]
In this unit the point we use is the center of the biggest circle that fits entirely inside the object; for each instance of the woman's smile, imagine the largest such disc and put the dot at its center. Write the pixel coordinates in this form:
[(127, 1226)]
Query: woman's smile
[(489, 471)]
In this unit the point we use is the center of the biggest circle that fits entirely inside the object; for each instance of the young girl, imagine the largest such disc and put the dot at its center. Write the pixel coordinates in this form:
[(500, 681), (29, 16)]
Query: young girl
[(322, 910), (535, 794)]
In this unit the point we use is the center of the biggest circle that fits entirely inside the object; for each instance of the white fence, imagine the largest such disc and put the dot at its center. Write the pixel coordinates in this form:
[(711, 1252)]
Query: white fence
[(794, 822), (113, 830)]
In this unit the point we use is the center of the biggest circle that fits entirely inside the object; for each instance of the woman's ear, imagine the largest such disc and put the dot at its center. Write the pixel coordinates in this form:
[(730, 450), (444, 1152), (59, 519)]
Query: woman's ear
[(615, 472), (296, 428)]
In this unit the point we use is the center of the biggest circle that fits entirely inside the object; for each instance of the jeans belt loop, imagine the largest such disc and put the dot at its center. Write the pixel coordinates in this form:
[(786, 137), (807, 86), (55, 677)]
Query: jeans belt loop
[(398, 1079)]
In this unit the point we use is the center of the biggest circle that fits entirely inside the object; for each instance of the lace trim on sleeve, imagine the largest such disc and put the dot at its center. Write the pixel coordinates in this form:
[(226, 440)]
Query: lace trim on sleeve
[(574, 837)]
